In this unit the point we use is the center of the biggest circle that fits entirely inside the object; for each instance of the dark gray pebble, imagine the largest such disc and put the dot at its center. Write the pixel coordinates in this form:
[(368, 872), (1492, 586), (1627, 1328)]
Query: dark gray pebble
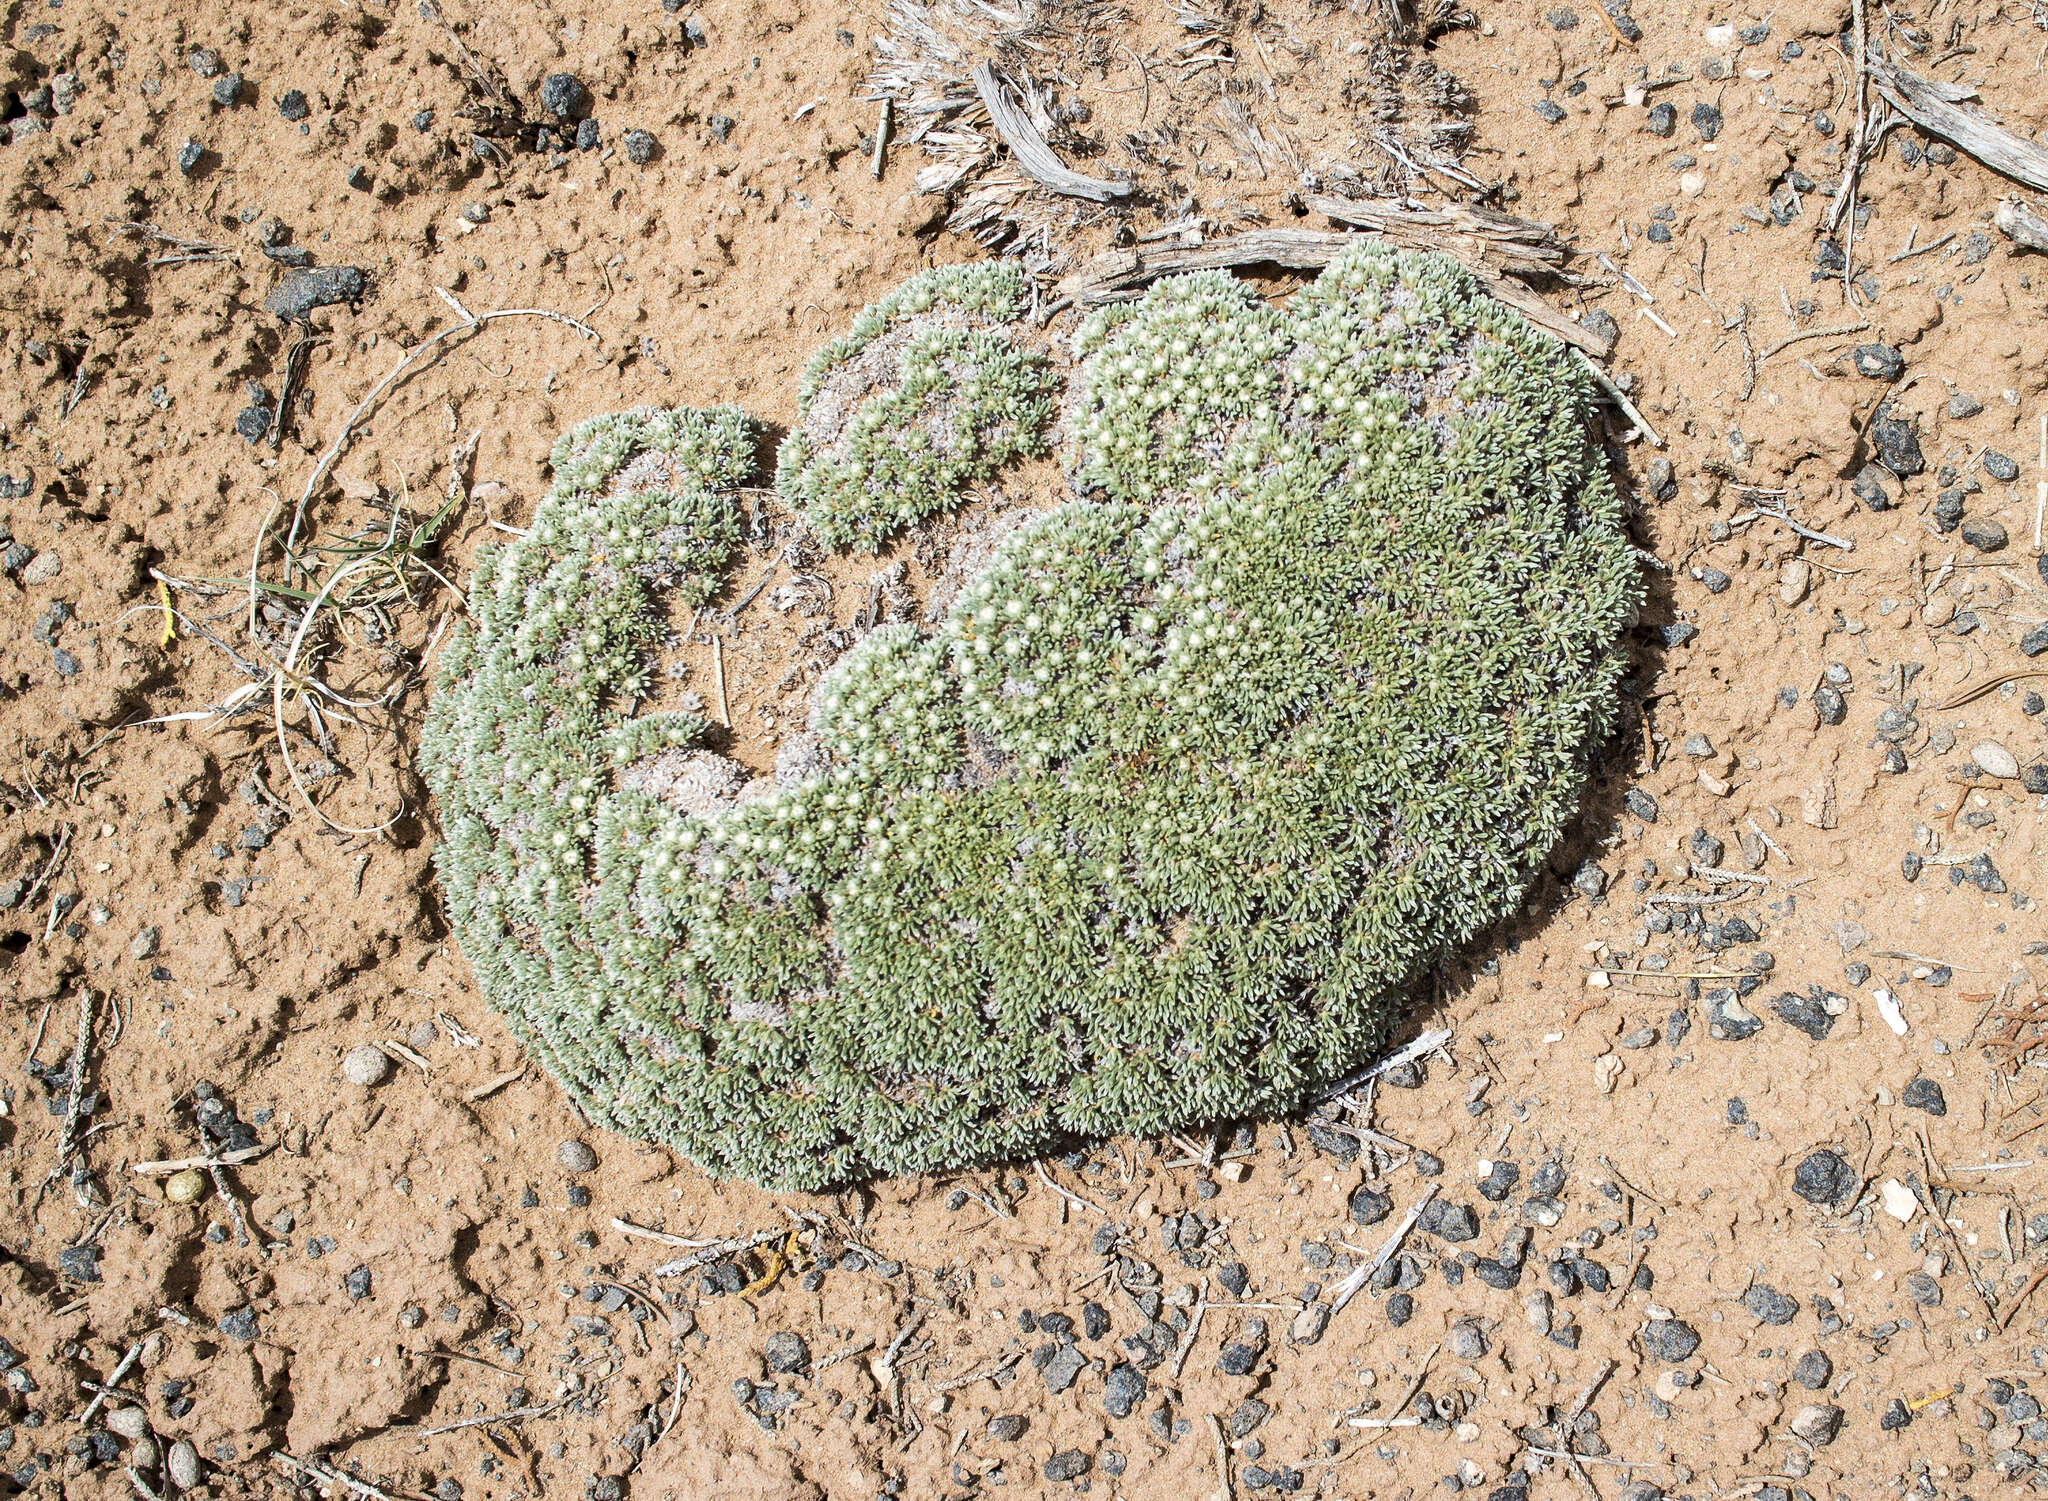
[(1670, 1340), (299, 293), (240, 1325), (1878, 361), (639, 147), (1447, 1221), (1369, 1206), (1728, 1020), (786, 1353), (1823, 1178), (1804, 1014), (1123, 1391), (1871, 487), (1999, 467), (1496, 1274), (1500, 1182), (1984, 534), (1769, 1306), (1898, 444), (563, 95), (1661, 120), (1924, 1094), (1706, 119), (292, 105), (1065, 1363), (1238, 1359)]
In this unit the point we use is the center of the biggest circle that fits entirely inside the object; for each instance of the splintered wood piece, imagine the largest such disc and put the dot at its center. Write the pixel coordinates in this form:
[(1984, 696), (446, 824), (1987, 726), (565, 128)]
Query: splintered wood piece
[(1939, 109), (1028, 148)]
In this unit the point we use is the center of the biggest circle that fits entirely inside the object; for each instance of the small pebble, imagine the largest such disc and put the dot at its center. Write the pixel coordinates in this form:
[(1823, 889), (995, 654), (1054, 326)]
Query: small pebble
[(1670, 1340), (1813, 1370), (1994, 760), (1769, 1306), (1125, 1387), (576, 1156), (1999, 467), (366, 1065), (1924, 1094), (639, 147), (786, 1353), (1369, 1206), (1818, 1424), (1985, 534), (1068, 1464), (182, 1465), (1466, 1341), (1878, 361), (1661, 120), (563, 95), (186, 1187), (1923, 1289), (1823, 1178), (292, 105)]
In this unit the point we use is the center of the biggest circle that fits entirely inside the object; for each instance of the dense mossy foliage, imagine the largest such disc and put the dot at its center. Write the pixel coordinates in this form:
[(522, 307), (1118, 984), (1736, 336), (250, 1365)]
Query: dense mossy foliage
[(1153, 830), (930, 392)]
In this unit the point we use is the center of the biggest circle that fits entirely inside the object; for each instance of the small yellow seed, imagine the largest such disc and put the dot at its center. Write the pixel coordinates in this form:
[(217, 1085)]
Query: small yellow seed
[(185, 1187)]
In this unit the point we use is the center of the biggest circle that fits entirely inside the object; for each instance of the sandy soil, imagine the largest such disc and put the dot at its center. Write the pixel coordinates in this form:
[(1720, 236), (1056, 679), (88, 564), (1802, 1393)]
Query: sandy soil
[(394, 1264)]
